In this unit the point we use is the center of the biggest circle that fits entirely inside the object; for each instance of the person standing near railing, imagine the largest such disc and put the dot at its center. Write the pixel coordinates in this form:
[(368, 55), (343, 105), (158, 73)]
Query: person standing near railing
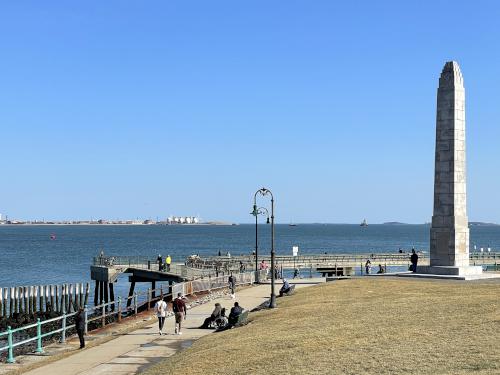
[(160, 262), (80, 326), (168, 261)]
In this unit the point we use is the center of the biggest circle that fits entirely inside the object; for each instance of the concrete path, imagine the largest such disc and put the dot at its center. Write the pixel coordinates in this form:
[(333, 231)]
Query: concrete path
[(133, 352)]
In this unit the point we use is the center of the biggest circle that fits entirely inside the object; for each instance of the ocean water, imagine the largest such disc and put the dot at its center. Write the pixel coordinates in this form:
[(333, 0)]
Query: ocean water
[(30, 257)]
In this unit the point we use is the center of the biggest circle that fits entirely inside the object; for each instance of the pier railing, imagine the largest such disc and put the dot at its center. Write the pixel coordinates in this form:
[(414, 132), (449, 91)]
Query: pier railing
[(186, 271), (97, 316)]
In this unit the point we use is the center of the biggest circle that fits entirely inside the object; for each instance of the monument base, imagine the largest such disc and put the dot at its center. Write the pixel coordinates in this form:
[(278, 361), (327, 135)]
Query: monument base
[(451, 272)]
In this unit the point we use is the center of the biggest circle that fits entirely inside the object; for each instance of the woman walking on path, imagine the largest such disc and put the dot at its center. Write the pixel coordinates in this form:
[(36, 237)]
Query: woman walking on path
[(161, 312)]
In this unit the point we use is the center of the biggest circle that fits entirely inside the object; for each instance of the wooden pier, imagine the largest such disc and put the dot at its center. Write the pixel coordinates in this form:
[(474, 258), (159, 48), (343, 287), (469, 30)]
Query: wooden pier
[(316, 261), (106, 270)]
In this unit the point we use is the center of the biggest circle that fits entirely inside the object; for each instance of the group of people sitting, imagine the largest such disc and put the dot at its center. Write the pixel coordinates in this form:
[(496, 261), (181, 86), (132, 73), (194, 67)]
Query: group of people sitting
[(219, 320)]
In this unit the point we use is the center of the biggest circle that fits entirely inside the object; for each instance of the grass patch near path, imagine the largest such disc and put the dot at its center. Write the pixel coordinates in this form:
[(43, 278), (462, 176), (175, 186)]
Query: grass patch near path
[(367, 325)]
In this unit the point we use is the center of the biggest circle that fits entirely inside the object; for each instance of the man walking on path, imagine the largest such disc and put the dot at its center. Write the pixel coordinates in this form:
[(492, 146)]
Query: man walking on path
[(232, 285), (414, 260), (179, 308), (161, 312), (80, 326)]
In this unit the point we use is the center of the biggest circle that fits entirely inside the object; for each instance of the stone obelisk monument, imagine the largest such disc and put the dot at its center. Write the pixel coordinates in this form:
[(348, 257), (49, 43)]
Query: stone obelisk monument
[(449, 242)]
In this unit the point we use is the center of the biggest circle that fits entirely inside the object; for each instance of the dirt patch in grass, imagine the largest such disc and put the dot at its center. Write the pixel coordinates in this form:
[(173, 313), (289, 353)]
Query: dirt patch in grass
[(360, 326)]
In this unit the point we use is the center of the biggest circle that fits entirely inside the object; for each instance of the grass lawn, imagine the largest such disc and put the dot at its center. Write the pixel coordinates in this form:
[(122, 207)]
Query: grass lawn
[(369, 325)]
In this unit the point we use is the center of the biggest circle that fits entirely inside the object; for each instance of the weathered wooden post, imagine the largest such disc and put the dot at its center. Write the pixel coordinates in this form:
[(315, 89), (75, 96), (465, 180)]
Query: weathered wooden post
[(1, 304), (48, 306), (77, 296), (57, 298), (63, 332), (35, 298), (119, 309), (149, 299), (103, 316), (40, 298), (112, 296), (96, 292), (135, 303), (70, 303), (52, 297), (16, 299), (87, 290), (11, 302), (86, 318)]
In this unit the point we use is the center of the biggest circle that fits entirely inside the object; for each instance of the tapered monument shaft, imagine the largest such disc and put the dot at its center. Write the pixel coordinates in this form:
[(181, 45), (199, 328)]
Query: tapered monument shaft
[(449, 242)]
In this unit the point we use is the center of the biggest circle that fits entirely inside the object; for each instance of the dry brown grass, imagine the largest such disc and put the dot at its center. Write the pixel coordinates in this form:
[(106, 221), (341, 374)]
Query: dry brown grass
[(360, 326)]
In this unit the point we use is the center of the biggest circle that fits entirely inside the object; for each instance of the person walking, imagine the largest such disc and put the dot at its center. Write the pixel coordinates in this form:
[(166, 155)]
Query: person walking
[(168, 261), (232, 285), (179, 308), (368, 266), (80, 326), (414, 260), (161, 312)]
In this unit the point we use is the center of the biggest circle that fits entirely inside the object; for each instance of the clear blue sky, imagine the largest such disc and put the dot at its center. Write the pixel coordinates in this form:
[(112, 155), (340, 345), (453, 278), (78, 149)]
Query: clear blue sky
[(121, 109)]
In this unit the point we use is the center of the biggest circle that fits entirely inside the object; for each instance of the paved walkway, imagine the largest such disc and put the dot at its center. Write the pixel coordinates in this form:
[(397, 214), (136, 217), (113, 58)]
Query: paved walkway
[(133, 352)]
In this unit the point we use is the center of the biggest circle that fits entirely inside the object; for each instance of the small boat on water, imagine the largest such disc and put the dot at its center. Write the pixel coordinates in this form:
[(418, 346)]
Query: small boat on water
[(364, 223), (292, 225)]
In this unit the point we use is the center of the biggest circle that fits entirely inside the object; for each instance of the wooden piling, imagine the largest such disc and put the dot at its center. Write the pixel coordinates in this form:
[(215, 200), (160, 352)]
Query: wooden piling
[(66, 297), (11, 302), (101, 292), (1, 303), (87, 290), (56, 298), (96, 293), (76, 298), (32, 300), (70, 303), (35, 298), (40, 298), (106, 292), (52, 297), (16, 300), (48, 306), (5, 298), (112, 296)]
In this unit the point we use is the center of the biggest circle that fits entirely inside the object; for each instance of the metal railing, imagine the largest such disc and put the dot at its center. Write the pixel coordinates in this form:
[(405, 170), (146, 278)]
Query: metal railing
[(101, 312)]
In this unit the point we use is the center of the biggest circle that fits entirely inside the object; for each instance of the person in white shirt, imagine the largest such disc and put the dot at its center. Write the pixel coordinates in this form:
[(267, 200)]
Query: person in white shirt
[(161, 312)]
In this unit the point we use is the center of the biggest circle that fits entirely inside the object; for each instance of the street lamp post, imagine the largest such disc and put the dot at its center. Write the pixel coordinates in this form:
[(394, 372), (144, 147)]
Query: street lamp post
[(263, 191), (256, 212)]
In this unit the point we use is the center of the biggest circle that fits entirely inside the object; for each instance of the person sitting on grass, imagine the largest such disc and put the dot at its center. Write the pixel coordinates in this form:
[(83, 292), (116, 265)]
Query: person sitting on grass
[(285, 288), (216, 314), (233, 315)]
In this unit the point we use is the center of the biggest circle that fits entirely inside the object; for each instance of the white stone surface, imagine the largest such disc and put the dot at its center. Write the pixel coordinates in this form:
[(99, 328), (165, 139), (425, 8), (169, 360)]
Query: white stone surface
[(449, 242)]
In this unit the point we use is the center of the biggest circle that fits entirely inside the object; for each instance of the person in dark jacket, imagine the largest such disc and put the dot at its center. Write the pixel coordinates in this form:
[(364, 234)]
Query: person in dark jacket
[(235, 312), (232, 285), (216, 314), (80, 326), (414, 260)]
